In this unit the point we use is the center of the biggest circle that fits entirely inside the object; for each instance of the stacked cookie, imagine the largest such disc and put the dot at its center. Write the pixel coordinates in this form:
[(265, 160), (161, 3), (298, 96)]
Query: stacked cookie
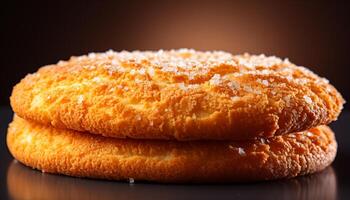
[(174, 116)]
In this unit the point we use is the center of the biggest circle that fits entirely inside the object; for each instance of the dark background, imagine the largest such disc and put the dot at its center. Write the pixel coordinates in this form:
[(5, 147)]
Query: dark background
[(313, 34)]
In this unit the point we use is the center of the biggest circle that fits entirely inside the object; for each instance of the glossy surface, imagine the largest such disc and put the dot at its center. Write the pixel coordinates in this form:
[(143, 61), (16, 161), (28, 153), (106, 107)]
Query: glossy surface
[(20, 182)]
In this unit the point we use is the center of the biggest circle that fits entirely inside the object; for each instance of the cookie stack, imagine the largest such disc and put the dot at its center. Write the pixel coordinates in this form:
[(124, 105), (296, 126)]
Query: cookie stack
[(174, 116)]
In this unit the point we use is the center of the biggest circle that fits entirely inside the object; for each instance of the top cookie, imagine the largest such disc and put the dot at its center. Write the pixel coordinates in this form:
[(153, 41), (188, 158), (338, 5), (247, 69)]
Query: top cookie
[(178, 94)]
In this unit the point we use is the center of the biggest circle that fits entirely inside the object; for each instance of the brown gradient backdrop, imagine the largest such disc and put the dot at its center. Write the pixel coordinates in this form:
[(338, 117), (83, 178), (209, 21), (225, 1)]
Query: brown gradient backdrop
[(311, 34)]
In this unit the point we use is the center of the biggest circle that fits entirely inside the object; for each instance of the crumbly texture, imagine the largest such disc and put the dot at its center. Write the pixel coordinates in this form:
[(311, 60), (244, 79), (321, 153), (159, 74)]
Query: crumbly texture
[(86, 155), (178, 94)]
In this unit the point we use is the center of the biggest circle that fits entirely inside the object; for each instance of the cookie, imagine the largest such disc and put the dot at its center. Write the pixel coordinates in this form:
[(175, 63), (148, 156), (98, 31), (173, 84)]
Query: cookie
[(178, 94), (78, 154)]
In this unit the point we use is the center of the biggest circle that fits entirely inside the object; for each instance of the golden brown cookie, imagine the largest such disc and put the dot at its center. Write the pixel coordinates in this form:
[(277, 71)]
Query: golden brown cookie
[(179, 94), (86, 155)]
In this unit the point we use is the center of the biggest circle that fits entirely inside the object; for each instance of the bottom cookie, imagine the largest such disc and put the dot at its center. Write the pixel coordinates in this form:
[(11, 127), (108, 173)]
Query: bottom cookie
[(86, 155)]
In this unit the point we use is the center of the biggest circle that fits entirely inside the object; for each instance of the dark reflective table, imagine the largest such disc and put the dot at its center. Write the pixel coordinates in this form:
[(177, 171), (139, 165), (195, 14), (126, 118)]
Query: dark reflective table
[(20, 182)]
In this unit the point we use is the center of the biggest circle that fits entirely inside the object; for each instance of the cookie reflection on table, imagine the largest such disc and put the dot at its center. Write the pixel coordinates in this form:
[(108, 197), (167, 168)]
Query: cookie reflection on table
[(24, 183)]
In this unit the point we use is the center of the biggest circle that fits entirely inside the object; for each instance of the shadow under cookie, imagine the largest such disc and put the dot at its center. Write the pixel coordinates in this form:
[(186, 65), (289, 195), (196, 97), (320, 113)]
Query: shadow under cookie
[(24, 183)]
